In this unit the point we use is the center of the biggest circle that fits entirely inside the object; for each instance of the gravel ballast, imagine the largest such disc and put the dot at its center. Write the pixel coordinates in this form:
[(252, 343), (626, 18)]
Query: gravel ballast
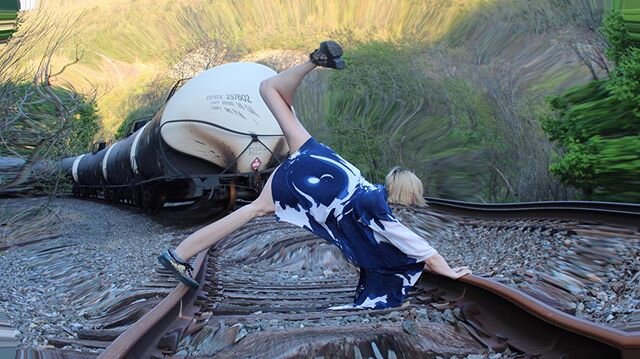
[(588, 270), (55, 287), (51, 288)]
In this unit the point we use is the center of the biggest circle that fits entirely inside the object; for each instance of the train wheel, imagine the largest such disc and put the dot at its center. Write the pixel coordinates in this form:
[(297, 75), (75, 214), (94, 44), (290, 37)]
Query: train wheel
[(159, 203), (136, 196), (233, 195), (153, 200), (147, 199)]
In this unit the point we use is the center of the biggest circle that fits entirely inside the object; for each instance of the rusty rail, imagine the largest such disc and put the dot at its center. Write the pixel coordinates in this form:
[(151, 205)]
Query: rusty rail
[(139, 340), (553, 333), (498, 316), (608, 212)]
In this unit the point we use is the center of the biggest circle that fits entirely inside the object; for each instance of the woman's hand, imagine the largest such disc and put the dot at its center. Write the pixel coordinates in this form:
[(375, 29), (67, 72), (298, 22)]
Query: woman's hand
[(438, 265), (459, 272)]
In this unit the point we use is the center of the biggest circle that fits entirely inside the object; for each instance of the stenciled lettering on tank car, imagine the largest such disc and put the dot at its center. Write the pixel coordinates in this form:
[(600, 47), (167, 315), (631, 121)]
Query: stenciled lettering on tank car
[(213, 97), (239, 97)]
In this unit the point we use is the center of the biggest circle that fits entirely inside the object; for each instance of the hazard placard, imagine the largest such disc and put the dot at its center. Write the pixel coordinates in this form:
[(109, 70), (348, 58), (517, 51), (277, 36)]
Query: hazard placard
[(256, 164)]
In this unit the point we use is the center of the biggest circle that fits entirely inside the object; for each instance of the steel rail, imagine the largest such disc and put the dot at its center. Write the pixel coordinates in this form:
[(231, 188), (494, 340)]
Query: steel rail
[(560, 326), (470, 292), (140, 339), (608, 212), (587, 205)]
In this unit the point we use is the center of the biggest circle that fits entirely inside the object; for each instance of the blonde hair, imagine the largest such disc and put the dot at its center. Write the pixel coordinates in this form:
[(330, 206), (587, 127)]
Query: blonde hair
[(404, 187)]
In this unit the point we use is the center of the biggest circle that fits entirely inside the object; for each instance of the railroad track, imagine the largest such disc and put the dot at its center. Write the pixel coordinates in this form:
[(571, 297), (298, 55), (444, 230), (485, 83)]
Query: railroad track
[(266, 290)]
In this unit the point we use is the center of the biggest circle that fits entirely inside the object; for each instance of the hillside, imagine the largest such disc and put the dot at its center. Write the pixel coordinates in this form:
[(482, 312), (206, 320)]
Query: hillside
[(474, 77), (127, 44)]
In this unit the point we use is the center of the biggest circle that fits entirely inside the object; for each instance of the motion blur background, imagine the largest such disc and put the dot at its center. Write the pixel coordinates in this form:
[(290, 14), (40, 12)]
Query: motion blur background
[(486, 100)]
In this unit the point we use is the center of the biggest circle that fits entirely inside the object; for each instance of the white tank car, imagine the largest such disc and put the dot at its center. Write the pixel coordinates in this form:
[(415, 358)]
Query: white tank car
[(216, 115), (214, 141)]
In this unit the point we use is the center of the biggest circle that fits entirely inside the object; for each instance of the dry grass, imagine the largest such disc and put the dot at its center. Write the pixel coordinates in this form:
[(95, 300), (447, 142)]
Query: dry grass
[(127, 44)]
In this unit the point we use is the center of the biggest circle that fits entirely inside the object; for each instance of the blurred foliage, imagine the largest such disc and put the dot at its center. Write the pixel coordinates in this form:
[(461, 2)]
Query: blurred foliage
[(366, 99), (463, 111), (598, 125), (616, 33), (144, 103), (383, 110), (33, 129), (84, 127), (625, 82), (8, 19), (141, 113), (630, 10), (42, 119), (33, 120), (128, 43)]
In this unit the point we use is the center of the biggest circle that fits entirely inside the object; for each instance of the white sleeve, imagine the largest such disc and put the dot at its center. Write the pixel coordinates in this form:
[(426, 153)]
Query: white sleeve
[(404, 239)]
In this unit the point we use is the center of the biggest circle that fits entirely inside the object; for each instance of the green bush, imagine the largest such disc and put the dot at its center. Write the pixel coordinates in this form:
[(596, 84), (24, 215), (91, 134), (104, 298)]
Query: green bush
[(614, 29), (384, 110), (625, 82), (42, 133), (598, 125), (145, 112)]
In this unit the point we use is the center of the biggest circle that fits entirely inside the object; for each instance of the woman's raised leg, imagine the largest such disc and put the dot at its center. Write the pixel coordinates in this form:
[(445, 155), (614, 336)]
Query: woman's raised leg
[(278, 91)]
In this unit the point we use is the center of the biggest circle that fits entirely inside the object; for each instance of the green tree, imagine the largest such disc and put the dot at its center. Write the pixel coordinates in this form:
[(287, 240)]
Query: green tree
[(625, 81), (598, 125), (615, 31)]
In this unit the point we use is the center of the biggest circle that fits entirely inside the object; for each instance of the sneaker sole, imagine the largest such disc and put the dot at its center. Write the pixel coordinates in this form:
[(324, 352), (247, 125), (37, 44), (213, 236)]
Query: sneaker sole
[(331, 48), (340, 64), (167, 265)]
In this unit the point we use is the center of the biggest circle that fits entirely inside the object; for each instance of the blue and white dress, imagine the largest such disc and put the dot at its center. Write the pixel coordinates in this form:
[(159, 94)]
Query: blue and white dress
[(318, 190)]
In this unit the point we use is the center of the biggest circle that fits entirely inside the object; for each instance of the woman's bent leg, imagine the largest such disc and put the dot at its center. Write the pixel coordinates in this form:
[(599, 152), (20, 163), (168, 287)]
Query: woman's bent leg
[(211, 234), (278, 92)]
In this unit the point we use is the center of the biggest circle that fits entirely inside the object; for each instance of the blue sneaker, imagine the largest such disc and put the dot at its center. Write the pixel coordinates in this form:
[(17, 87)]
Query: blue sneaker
[(182, 270)]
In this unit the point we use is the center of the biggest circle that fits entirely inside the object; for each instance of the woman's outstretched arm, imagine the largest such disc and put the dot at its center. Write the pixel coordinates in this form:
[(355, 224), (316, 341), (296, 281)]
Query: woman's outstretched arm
[(414, 246)]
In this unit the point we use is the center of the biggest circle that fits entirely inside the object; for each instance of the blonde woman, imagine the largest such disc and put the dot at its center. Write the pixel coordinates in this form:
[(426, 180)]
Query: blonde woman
[(318, 190)]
